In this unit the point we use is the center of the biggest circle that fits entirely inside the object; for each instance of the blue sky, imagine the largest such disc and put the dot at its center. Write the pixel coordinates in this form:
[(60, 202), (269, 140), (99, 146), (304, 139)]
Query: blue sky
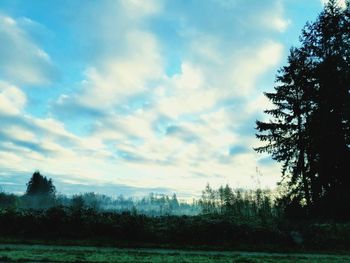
[(150, 94)]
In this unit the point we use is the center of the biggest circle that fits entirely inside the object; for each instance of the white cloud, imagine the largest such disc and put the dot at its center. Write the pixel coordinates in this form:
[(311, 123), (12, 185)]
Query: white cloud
[(21, 60), (207, 47), (17, 133), (250, 65), (135, 60), (139, 8), (185, 93), (115, 78), (136, 125), (274, 19), (12, 99), (280, 24), (190, 78)]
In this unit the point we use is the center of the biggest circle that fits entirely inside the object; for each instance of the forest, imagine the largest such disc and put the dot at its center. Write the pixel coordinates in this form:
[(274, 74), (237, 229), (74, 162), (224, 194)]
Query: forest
[(307, 131), (222, 218)]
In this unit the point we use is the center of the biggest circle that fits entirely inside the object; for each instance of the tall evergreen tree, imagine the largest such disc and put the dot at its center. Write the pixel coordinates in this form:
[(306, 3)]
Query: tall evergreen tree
[(309, 130), (327, 44), (285, 134)]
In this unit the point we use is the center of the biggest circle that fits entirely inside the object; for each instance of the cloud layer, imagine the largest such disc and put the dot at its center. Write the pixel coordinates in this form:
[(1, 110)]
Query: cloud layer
[(21, 60), (165, 93)]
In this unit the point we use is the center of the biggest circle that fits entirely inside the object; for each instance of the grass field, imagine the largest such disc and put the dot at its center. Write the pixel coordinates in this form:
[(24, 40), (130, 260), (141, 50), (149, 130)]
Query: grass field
[(43, 253)]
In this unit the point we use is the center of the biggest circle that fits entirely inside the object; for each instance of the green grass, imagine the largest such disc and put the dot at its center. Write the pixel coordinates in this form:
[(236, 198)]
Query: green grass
[(43, 253)]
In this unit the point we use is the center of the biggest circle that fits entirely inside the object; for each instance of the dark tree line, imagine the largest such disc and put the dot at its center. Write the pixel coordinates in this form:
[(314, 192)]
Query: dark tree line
[(241, 205), (225, 218), (308, 130), (41, 195), (237, 204)]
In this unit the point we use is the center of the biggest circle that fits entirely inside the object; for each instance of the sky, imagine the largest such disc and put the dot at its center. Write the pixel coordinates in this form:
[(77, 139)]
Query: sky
[(133, 96)]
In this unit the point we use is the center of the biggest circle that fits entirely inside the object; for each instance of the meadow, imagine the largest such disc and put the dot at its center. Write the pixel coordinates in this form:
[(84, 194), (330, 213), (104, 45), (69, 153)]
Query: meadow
[(44, 253)]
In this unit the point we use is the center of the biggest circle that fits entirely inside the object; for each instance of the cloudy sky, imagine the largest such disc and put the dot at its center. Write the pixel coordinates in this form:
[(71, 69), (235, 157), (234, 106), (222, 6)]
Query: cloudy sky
[(141, 93)]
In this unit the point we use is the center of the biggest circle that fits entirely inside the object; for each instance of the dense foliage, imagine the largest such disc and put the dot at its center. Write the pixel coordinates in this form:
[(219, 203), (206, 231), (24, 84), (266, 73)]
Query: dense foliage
[(87, 226), (222, 218), (224, 201), (309, 127)]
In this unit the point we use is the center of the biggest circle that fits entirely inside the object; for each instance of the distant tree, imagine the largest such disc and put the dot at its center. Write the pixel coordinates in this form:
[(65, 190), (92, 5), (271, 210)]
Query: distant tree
[(77, 203), (40, 185), (40, 193), (8, 201), (228, 199), (91, 200), (208, 201), (174, 203)]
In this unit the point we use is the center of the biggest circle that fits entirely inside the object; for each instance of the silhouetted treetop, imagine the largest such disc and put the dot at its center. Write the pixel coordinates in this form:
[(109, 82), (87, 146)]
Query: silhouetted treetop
[(40, 185)]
